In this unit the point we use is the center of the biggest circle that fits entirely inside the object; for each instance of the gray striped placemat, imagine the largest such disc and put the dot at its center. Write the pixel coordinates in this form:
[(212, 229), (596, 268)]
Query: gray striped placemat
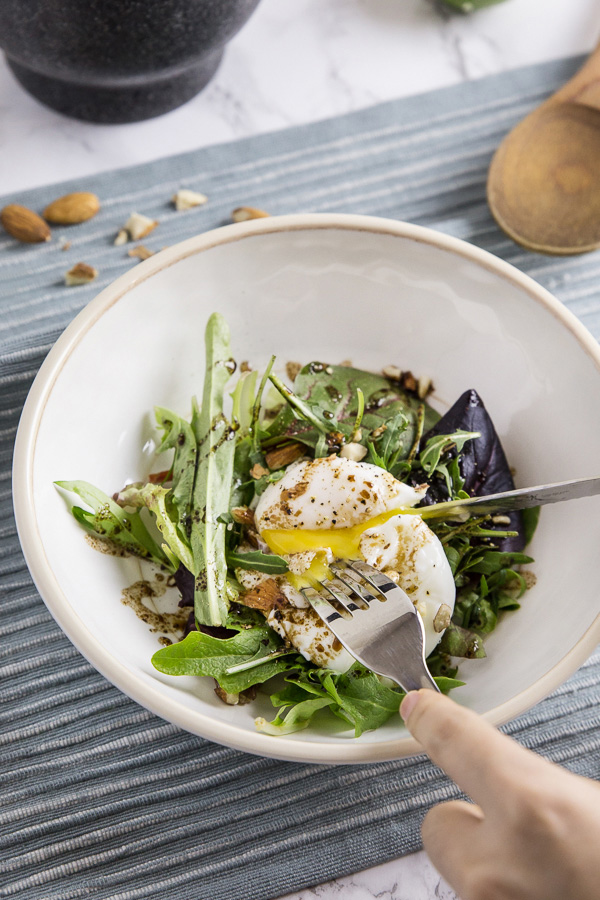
[(99, 797)]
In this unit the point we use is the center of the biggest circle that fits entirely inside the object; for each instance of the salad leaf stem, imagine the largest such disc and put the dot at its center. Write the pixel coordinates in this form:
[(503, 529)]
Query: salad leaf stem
[(213, 482), (262, 562), (360, 399), (256, 408), (418, 433), (252, 663), (302, 408)]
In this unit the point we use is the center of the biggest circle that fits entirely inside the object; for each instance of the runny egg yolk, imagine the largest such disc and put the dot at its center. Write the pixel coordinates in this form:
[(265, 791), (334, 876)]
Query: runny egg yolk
[(344, 543)]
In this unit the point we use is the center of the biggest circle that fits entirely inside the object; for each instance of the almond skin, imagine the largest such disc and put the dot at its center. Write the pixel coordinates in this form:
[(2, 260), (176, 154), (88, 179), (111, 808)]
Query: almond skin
[(72, 209), (24, 225)]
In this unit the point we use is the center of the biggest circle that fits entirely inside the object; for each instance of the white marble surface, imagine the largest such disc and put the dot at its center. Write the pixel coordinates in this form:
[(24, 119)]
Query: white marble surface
[(293, 63)]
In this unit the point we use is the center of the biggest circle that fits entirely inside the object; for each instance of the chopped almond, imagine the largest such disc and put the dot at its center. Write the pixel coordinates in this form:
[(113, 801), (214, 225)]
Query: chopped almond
[(280, 457), (265, 596)]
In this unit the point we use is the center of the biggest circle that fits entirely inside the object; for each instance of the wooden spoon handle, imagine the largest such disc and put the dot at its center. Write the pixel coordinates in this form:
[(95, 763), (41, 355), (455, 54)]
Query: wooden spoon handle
[(584, 86)]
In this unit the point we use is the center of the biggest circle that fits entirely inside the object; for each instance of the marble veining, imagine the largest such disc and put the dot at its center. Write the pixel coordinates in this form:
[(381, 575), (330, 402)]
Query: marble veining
[(295, 63)]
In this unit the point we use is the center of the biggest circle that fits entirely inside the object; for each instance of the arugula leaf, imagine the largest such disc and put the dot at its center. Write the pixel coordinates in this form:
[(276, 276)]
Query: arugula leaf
[(202, 654), (178, 436), (340, 396), (262, 562), (460, 642), (429, 457), (362, 699), (359, 697), (175, 546), (213, 482), (297, 717), (111, 522)]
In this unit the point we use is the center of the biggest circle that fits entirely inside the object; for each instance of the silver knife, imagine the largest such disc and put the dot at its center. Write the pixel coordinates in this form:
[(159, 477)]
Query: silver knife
[(507, 501)]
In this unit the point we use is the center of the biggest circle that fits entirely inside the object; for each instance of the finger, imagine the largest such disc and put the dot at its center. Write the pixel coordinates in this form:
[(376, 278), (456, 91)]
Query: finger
[(483, 762), (451, 836)]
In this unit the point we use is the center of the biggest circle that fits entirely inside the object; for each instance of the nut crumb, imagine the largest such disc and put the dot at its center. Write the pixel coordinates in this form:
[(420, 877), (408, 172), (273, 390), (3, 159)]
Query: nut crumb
[(347, 363), (243, 515), (66, 245), (139, 226), (140, 252), (280, 457), (81, 273), (121, 238), (245, 366), (186, 199), (257, 471), (244, 213)]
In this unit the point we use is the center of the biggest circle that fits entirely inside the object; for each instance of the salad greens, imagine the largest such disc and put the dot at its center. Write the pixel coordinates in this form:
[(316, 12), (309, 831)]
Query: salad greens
[(195, 521)]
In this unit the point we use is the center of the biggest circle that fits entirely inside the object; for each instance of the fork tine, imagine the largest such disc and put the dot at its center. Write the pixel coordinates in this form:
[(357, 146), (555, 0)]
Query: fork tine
[(341, 596), (321, 606), (376, 579), (352, 582)]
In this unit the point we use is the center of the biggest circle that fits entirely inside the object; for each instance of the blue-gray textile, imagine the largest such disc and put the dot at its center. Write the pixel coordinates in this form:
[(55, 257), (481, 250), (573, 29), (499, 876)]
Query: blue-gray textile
[(99, 798)]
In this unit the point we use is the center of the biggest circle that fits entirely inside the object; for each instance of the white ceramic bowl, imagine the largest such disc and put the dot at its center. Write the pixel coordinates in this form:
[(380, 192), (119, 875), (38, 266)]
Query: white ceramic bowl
[(315, 287)]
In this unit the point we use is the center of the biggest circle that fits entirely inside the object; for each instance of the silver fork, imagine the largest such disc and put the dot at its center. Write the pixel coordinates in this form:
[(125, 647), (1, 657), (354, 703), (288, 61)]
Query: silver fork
[(383, 630)]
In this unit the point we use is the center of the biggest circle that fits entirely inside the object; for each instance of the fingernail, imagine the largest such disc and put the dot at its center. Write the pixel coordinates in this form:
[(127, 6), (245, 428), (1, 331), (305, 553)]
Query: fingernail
[(408, 704)]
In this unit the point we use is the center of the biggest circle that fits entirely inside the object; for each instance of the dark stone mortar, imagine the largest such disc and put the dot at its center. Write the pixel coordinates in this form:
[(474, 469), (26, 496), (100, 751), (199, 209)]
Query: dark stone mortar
[(117, 60)]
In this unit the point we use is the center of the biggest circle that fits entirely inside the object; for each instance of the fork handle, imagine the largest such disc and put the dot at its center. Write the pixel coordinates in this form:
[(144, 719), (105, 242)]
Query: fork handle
[(414, 682)]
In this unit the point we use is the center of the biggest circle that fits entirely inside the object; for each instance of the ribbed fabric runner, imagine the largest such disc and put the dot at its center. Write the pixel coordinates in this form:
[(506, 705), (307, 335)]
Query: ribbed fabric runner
[(100, 798)]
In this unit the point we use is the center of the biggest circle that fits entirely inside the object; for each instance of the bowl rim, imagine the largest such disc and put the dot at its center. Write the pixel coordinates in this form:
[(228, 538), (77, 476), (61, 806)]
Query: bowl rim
[(195, 721)]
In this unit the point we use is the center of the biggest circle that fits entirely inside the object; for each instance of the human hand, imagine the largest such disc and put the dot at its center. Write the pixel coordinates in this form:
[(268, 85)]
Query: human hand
[(535, 831)]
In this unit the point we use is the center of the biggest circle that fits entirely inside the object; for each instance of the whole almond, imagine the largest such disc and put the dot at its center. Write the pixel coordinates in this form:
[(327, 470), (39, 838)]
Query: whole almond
[(24, 225), (72, 209)]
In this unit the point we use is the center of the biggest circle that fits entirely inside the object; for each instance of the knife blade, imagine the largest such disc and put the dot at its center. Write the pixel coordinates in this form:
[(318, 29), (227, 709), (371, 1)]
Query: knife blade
[(507, 501)]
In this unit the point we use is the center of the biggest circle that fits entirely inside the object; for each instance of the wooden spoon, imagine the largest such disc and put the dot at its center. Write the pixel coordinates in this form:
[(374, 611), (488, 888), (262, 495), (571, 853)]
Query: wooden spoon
[(544, 181)]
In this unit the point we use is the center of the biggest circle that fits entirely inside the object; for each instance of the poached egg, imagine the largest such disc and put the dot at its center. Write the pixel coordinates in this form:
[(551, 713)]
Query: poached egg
[(335, 507)]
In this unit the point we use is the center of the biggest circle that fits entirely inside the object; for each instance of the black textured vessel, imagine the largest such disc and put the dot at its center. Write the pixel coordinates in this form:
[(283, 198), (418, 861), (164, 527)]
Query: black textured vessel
[(117, 60)]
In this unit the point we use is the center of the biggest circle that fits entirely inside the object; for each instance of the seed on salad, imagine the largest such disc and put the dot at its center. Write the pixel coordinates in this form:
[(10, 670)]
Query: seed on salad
[(186, 199), (442, 618), (245, 366), (424, 387), (353, 451), (501, 520), (81, 273), (244, 213), (392, 372)]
